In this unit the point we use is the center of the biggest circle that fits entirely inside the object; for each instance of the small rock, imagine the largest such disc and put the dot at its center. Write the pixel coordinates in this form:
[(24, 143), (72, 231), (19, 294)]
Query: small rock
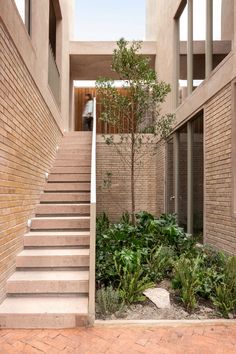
[(160, 297)]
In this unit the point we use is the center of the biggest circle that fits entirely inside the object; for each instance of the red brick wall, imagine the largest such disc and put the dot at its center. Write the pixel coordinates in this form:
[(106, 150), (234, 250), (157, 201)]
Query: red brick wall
[(220, 224), (149, 182), (28, 140)]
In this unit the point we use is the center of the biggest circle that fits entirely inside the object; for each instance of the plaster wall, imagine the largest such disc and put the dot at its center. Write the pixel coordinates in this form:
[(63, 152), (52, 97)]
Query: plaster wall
[(151, 20)]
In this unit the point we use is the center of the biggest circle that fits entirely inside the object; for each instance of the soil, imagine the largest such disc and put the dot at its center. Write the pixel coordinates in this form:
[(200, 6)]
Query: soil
[(148, 311)]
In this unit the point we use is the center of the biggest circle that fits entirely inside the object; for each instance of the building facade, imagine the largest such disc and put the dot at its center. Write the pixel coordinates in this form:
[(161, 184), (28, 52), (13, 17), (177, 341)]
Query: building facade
[(200, 155), (194, 172)]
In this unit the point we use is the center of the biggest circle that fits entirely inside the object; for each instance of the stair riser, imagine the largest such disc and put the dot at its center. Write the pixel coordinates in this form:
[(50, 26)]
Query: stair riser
[(85, 155), (44, 320), (47, 209), (52, 261), (38, 224), (75, 187), (54, 241), (83, 177), (47, 287), (65, 197), (70, 170), (81, 144), (72, 163)]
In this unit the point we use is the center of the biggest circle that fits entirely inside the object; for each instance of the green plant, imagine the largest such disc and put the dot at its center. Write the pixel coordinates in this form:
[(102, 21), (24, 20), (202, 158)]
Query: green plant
[(225, 292), (108, 301), (160, 262), (102, 223), (186, 279), (132, 281), (129, 112)]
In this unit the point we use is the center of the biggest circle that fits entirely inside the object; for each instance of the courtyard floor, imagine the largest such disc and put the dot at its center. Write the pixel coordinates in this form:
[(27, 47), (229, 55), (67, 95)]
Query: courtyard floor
[(207, 339)]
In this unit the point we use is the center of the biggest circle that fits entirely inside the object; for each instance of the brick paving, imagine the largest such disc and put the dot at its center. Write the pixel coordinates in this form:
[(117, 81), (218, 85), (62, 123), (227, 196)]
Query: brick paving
[(208, 339)]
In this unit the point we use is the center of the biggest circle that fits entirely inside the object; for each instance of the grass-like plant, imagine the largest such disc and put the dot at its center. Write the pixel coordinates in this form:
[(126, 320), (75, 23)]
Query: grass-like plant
[(186, 279), (225, 292)]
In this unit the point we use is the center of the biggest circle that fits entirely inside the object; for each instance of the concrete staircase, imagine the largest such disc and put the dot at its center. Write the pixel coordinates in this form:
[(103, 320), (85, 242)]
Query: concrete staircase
[(50, 286)]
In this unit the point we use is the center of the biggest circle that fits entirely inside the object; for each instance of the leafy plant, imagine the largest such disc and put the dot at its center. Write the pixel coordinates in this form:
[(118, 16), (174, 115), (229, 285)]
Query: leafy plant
[(102, 223), (160, 262), (225, 292), (132, 281), (108, 301), (186, 279)]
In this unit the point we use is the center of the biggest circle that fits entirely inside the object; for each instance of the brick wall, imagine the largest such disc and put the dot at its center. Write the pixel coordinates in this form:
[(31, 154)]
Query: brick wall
[(115, 199), (28, 139), (220, 225)]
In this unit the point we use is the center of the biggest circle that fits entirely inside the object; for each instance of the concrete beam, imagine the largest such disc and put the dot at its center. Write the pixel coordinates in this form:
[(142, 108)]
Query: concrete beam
[(106, 48)]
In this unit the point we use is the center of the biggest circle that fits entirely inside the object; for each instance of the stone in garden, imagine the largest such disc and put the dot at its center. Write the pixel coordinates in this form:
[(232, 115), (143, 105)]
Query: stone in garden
[(160, 297)]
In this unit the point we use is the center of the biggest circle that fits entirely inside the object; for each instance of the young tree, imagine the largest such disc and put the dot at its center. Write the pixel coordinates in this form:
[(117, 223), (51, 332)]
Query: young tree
[(138, 111)]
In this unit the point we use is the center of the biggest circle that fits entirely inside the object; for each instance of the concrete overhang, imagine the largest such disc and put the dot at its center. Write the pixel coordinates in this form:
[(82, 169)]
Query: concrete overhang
[(91, 60), (219, 47), (220, 50)]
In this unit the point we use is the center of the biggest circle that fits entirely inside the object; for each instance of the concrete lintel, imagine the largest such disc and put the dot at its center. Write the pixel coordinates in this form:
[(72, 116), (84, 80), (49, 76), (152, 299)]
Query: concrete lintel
[(106, 47), (219, 47)]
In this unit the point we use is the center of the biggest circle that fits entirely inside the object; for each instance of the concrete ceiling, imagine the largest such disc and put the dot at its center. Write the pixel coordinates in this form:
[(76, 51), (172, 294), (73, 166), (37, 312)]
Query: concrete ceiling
[(91, 60)]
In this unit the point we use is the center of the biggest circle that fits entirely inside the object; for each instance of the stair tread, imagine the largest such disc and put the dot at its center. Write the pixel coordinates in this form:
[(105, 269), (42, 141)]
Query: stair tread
[(58, 233), (61, 218), (47, 275), (54, 252), (44, 305)]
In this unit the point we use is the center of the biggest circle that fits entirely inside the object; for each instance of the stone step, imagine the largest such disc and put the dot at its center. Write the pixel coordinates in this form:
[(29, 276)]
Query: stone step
[(69, 177), (41, 282), (55, 209), (72, 163), (77, 133), (68, 155), (82, 197), (85, 142), (30, 258), (74, 148), (54, 239), (70, 187), (56, 223), (71, 169), (44, 312)]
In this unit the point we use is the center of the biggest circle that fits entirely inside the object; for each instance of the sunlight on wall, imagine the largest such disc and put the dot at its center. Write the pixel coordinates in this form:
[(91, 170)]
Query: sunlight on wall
[(20, 4)]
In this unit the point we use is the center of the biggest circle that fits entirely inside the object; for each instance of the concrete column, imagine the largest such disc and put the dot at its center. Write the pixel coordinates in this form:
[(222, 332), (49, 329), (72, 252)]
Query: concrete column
[(190, 48), (209, 37), (176, 63), (176, 171), (189, 177)]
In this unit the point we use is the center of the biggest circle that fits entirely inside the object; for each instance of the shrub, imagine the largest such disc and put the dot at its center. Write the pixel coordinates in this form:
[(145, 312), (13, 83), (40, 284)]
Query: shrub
[(108, 301), (160, 262), (132, 281), (225, 292), (186, 279)]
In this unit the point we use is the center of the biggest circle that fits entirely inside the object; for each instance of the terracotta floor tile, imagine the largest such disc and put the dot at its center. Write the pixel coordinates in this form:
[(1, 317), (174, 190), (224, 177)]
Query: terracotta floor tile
[(122, 340)]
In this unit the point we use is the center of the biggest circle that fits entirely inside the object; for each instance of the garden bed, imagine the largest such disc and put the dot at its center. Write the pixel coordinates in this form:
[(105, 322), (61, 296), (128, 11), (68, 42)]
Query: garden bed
[(155, 252)]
